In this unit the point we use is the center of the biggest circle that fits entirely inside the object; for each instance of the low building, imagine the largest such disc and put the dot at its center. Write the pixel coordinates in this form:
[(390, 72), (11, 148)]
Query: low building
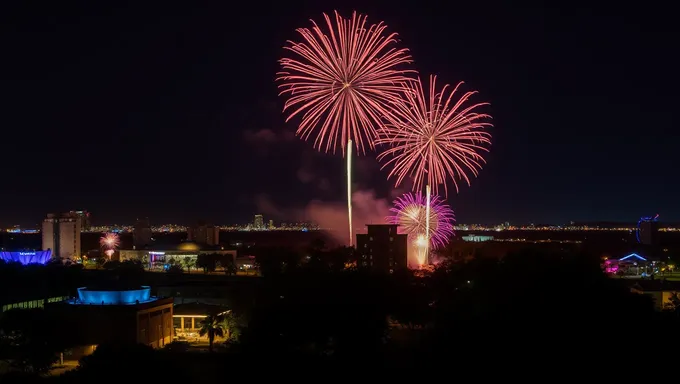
[(26, 257), (158, 257), (666, 294), (477, 238), (632, 264), (245, 264), (115, 314), (187, 319)]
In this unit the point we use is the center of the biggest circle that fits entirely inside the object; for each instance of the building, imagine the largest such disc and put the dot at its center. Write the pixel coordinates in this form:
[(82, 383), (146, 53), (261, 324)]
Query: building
[(258, 223), (84, 219), (382, 248), (648, 230), (115, 314), (141, 234), (477, 238), (665, 293), (61, 234), (159, 257), (26, 257), (187, 319), (204, 234), (271, 224)]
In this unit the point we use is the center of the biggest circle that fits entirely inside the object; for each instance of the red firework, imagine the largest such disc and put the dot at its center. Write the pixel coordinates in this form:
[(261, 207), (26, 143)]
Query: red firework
[(109, 241), (343, 81), (434, 137)]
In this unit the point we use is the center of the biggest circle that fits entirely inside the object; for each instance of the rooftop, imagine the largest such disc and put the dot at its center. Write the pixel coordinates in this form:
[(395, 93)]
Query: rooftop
[(199, 309)]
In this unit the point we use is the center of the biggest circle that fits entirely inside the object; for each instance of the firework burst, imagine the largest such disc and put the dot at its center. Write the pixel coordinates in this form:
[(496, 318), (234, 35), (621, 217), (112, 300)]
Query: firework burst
[(434, 137), (343, 80), (410, 212), (110, 241)]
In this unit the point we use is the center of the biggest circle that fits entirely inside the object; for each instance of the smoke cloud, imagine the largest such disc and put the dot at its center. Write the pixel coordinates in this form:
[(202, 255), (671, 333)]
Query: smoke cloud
[(331, 216)]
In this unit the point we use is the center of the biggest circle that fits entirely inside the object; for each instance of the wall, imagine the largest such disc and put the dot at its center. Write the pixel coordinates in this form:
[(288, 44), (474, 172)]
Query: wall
[(154, 326)]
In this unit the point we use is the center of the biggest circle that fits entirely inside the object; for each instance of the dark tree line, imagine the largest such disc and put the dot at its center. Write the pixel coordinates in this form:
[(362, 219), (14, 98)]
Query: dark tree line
[(527, 310)]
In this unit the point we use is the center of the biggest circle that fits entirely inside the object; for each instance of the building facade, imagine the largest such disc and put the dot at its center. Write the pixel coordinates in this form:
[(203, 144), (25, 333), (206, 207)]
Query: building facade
[(649, 232), (205, 234), (61, 234), (382, 248), (105, 316), (258, 222), (159, 258), (141, 234), (84, 219)]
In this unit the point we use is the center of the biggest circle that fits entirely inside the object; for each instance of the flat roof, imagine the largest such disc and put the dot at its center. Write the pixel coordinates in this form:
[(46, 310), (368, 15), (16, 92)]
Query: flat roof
[(198, 309)]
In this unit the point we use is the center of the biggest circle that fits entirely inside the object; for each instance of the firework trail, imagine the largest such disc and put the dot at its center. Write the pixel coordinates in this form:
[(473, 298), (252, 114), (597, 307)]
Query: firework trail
[(410, 213), (343, 80), (109, 241), (434, 137)]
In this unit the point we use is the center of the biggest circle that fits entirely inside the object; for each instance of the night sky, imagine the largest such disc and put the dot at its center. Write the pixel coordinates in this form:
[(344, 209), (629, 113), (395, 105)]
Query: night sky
[(172, 112)]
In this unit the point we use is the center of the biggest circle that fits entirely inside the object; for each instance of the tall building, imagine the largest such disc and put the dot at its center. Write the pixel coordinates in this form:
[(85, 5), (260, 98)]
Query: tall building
[(203, 233), (84, 219), (61, 234), (382, 248), (648, 232), (141, 235), (258, 223), (271, 224)]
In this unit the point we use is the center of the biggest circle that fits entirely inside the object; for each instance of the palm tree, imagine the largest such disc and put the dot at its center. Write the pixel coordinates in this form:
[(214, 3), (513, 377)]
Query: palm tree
[(213, 326)]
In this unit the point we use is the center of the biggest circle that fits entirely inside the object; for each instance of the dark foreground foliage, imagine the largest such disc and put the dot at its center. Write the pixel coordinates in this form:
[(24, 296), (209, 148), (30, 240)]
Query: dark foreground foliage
[(482, 317)]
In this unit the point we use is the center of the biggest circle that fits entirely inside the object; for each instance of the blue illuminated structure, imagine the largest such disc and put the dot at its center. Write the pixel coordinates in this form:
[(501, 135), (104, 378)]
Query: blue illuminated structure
[(642, 220), (635, 255), (26, 257), (114, 297)]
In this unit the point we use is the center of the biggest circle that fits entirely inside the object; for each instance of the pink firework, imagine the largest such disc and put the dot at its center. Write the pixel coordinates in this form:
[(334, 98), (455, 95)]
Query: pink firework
[(409, 212), (343, 80), (109, 241), (435, 137)]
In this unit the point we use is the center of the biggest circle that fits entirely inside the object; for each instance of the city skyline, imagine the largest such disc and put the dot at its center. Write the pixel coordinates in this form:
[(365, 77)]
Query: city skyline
[(136, 98)]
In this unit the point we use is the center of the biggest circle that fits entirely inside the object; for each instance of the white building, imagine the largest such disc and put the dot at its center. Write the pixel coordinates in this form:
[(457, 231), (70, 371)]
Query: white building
[(61, 234), (258, 223)]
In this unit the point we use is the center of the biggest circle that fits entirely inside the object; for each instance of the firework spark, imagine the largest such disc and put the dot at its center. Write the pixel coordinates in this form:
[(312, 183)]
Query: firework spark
[(109, 241), (434, 137), (410, 212), (343, 81)]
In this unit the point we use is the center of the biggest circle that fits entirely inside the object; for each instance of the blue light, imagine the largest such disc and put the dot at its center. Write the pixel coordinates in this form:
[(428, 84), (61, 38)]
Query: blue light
[(130, 297), (26, 257), (633, 255), (650, 218)]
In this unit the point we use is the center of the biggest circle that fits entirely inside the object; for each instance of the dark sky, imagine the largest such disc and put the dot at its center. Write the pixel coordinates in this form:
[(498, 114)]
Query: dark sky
[(171, 111)]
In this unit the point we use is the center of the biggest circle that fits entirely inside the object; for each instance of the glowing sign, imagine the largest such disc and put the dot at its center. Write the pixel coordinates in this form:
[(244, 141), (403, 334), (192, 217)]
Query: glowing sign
[(33, 257)]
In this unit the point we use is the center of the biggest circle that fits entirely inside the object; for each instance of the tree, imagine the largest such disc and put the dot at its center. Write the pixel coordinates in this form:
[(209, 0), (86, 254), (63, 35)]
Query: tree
[(208, 262), (213, 326), (233, 325), (120, 362), (29, 340), (175, 269), (177, 346), (230, 269), (188, 263)]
